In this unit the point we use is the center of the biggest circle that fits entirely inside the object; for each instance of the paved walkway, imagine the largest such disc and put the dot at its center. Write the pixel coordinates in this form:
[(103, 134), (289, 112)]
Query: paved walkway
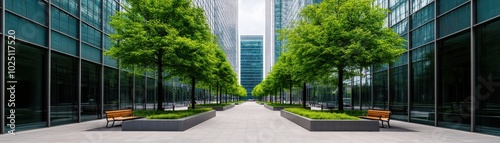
[(249, 123)]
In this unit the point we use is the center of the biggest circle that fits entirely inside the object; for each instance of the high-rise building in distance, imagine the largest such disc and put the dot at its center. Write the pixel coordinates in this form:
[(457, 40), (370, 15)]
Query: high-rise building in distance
[(251, 61)]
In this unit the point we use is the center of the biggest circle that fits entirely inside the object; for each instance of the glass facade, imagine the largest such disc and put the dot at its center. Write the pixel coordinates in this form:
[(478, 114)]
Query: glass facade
[(449, 76), (222, 16), (285, 12), (62, 75), (251, 61)]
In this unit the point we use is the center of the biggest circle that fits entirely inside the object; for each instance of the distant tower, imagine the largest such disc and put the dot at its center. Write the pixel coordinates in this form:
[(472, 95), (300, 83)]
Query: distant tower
[(251, 61)]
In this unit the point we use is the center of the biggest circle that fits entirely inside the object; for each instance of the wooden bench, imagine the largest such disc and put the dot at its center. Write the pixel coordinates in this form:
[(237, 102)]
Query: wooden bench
[(381, 115), (119, 115)]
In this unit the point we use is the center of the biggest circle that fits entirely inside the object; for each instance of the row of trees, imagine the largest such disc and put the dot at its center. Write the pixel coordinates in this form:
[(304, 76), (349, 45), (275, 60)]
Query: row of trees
[(173, 37), (327, 41)]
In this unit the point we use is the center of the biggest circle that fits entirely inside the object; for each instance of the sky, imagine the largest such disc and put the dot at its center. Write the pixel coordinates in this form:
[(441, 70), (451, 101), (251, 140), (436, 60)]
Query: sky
[(251, 17)]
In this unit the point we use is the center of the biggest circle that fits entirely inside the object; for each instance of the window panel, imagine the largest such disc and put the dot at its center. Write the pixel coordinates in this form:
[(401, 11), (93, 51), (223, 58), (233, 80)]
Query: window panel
[(35, 10), (64, 23), (151, 96), (488, 73), (487, 9), (70, 6), (401, 27), (126, 90), (91, 53), (64, 44), (399, 92), (419, 4), (422, 35), (91, 12), (454, 21), (110, 8), (446, 5), (31, 97), (91, 35), (399, 10), (423, 16), (380, 85), (64, 90), (90, 91), (110, 61), (26, 30), (422, 98), (110, 89), (454, 71), (140, 87)]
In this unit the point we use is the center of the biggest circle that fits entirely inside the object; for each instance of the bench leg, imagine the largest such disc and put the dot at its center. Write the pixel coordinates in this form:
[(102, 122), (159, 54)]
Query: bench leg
[(113, 123), (388, 124), (382, 123), (107, 122)]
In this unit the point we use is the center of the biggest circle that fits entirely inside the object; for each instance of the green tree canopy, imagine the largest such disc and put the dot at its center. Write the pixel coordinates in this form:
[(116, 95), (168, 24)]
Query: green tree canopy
[(338, 34), (162, 34)]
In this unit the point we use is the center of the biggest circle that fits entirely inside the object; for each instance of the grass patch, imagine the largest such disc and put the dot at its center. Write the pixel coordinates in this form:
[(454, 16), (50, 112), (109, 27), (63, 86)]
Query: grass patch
[(213, 105), (324, 115), (154, 114)]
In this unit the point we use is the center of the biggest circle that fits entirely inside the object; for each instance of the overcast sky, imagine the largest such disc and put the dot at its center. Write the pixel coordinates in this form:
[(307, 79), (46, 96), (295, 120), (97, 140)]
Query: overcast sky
[(251, 17)]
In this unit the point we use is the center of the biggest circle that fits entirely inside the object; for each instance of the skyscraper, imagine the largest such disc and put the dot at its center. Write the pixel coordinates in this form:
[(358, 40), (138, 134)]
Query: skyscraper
[(222, 16), (251, 61), (279, 14)]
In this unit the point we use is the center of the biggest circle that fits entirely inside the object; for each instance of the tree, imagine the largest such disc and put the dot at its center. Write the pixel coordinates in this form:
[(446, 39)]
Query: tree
[(151, 34), (339, 34)]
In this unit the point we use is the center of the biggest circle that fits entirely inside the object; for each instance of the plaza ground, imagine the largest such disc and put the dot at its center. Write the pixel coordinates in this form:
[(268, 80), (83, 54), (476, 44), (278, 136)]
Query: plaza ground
[(246, 123)]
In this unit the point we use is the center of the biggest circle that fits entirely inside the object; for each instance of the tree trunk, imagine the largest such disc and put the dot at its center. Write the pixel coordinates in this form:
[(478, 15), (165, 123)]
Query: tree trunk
[(275, 96), (193, 88), (217, 94), (340, 94), (204, 97), (220, 94), (304, 95), (160, 85), (281, 93), (290, 92)]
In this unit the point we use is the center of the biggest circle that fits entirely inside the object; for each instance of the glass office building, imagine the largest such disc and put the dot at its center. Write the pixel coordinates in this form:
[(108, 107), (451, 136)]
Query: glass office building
[(450, 74), (60, 74), (251, 61), (222, 16), (285, 12)]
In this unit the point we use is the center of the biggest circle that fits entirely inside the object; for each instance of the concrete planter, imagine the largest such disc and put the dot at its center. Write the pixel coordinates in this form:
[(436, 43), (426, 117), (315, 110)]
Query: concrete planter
[(223, 108), (273, 108), (331, 125), (167, 124)]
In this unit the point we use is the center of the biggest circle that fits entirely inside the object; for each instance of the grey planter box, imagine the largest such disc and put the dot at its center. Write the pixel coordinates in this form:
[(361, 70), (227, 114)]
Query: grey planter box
[(223, 108), (331, 125), (166, 124), (273, 108)]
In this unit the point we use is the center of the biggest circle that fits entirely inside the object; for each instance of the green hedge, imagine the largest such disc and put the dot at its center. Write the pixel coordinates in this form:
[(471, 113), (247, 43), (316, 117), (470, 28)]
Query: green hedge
[(154, 114), (213, 105), (314, 114), (284, 105)]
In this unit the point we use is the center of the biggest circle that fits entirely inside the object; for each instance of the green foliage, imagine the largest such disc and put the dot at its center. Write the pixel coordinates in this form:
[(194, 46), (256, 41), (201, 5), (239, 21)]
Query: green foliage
[(312, 114), (173, 37), (334, 36), (154, 114)]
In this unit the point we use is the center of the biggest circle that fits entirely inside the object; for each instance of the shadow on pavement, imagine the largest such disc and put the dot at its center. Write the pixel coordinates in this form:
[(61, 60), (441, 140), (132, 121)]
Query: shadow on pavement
[(395, 129), (114, 128)]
